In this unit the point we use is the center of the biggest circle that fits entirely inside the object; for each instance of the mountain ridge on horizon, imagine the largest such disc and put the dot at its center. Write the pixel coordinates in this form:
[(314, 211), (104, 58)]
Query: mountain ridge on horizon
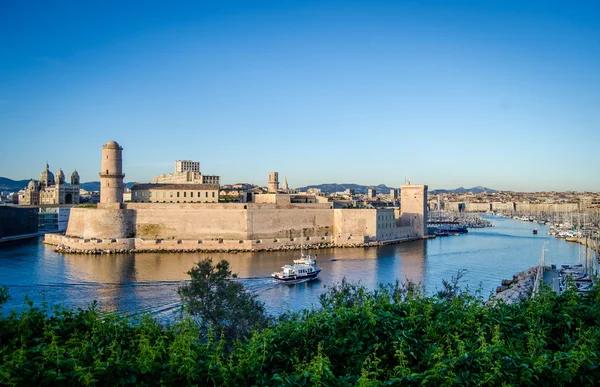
[(382, 188), (7, 184), (10, 185)]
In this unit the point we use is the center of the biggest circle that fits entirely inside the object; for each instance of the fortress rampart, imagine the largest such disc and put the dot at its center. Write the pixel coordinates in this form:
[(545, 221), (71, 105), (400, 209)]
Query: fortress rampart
[(271, 222), (225, 226)]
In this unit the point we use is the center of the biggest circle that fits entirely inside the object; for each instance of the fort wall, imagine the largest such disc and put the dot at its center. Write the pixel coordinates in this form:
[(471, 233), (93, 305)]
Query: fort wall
[(89, 223), (289, 222), (189, 221)]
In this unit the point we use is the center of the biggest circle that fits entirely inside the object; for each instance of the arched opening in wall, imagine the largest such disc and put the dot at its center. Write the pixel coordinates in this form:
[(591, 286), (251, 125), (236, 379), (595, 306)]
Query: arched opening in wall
[(68, 198)]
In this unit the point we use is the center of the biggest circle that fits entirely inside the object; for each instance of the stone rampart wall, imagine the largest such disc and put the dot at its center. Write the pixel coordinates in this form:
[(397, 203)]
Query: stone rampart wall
[(359, 222), (87, 223), (238, 226), (186, 222), (477, 207), (286, 223), (503, 206), (534, 208)]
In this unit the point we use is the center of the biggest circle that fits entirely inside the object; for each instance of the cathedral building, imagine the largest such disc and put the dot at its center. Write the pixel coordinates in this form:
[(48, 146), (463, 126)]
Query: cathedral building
[(49, 190)]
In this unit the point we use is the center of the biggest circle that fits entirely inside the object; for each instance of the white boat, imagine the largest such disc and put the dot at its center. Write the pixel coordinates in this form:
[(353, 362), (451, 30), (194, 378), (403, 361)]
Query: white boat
[(303, 269)]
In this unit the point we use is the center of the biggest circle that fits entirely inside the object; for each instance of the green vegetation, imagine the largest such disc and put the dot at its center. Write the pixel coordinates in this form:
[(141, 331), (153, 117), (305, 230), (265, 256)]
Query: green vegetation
[(219, 304), (87, 205), (394, 335)]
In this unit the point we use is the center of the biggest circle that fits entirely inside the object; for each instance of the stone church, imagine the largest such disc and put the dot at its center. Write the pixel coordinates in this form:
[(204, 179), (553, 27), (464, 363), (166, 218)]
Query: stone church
[(51, 191)]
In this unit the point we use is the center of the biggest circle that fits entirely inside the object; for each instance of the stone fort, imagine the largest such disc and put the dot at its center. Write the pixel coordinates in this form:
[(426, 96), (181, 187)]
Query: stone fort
[(271, 221)]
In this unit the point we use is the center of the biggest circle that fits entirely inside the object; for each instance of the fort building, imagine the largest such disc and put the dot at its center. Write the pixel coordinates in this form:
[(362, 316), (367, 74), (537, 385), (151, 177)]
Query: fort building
[(267, 221), (175, 193), (273, 181), (187, 172), (413, 202), (49, 190)]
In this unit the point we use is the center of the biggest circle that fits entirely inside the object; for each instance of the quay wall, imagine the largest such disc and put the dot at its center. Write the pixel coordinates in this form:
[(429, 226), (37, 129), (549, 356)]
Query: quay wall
[(127, 245), (112, 244)]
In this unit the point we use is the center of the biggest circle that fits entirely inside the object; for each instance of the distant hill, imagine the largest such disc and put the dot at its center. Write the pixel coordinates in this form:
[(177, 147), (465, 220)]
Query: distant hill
[(359, 189), (95, 185), (9, 185), (475, 190)]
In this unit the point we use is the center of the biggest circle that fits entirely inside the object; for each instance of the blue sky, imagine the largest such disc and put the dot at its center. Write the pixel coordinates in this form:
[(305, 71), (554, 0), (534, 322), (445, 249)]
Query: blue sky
[(504, 94)]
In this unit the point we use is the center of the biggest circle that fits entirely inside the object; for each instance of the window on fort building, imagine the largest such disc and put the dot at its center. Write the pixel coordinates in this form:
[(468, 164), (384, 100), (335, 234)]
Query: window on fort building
[(185, 194), (213, 194), (192, 194), (178, 195), (171, 194), (206, 194)]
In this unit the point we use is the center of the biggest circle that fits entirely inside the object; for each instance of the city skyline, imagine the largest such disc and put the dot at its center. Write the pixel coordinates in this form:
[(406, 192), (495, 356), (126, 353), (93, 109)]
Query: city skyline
[(497, 94)]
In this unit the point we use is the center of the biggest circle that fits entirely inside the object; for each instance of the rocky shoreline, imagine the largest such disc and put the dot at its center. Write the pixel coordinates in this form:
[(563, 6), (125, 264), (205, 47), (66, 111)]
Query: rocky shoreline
[(517, 289), (317, 246)]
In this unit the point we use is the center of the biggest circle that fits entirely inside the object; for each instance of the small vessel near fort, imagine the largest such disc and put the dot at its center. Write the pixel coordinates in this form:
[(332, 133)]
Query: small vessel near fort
[(303, 269)]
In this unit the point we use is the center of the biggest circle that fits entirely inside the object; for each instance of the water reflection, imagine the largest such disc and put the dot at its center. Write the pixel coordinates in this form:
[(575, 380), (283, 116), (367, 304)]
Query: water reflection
[(148, 282)]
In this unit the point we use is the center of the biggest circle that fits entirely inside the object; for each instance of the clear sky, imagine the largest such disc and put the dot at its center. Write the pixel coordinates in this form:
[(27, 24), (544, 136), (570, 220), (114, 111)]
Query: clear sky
[(504, 94)]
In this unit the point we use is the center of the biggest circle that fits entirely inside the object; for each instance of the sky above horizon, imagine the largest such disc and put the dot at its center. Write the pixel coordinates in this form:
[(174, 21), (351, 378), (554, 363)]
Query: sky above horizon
[(502, 94)]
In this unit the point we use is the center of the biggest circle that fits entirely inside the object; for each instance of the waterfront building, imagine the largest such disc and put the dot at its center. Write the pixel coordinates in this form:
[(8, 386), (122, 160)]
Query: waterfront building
[(186, 172), (175, 193), (49, 190), (393, 194), (371, 193)]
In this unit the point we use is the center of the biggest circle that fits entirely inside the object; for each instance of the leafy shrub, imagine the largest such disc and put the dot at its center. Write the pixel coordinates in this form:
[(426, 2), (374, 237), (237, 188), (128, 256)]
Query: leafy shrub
[(394, 335), (220, 304)]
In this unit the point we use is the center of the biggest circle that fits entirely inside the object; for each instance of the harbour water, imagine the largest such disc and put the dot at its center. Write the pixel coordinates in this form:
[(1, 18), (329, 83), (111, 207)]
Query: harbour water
[(147, 283)]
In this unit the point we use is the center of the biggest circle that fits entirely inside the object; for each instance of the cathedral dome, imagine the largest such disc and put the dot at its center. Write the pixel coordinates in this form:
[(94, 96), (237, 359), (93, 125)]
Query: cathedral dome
[(112, 144), (47, 177), (75, 178), (60, 176)]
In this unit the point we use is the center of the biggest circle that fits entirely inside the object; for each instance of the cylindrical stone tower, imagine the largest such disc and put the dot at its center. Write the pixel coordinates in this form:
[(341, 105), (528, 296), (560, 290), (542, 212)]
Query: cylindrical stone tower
[(111, 176), (273, 181)]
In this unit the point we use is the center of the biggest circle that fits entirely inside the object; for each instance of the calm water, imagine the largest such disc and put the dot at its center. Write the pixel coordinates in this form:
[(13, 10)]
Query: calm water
[(148, 282)]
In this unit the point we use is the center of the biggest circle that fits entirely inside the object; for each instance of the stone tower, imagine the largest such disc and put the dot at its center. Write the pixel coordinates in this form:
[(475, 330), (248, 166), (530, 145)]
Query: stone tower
[(273, 181), (111, 176), (413, 204), (75, 178)]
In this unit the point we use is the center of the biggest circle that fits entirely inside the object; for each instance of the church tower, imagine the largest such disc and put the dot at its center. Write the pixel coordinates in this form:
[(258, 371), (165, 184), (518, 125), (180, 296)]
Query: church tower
[(111, 176), (273, 181)]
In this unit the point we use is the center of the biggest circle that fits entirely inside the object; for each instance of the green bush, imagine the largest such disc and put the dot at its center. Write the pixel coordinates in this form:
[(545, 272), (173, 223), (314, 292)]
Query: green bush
[(394, 335)]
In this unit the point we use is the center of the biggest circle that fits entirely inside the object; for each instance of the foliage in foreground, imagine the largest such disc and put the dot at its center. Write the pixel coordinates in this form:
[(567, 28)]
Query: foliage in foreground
[(393, 335), (219, 304)]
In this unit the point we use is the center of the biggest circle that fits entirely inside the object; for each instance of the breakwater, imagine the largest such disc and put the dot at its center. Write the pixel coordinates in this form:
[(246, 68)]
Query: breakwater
[(517, 289)]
